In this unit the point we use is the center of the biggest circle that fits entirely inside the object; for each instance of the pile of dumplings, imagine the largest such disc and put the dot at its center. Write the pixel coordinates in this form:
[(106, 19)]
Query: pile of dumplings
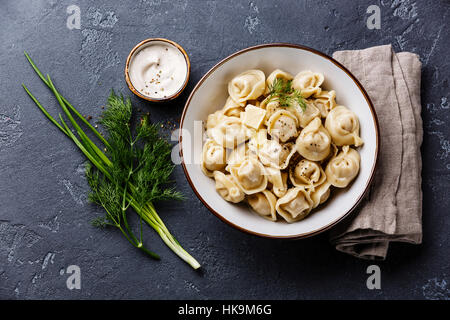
[(281, 160)]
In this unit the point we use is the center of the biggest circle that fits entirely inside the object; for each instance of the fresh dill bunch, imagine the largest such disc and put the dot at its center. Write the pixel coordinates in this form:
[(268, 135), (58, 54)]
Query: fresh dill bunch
[(281, 90)]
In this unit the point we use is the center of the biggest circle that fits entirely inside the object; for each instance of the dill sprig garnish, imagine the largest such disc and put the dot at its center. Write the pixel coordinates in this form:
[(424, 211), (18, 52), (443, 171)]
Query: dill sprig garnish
[(130, 170), (281, 90)]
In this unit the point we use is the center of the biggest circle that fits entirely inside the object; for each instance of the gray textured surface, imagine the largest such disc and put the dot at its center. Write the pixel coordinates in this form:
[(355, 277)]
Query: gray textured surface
[(44, 215)]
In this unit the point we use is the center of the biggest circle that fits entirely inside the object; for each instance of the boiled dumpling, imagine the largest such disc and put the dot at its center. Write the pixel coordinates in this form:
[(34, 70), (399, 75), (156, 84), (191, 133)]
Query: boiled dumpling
[(231, 108), (308, 83), (248, 85), (343, 167), (343, 126), (272, 153), (277, 74), (214, 119), (213, 157), (305, 116), (314, 141), (227, 188), (257, 140), (230, 132), (294, 205), (239, 155), (307, 174), (271, 107), (325, 102), (320, 194), (250, 175), (283, 125), (263, 203), (278, 179)]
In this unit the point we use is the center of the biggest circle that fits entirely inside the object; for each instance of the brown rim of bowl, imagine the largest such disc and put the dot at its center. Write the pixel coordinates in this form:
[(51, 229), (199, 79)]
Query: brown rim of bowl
[(361, 88), (136, 48)]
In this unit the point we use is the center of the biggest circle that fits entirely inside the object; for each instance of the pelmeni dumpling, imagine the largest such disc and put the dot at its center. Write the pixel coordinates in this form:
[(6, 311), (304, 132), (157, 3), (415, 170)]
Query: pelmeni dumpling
[(294, 205), (227, 187), (272, 153), (230, 132), (325, 101), (304, 117), (232, 109), (320, 194), (239, 155), (257, 140), (308, 83), (277, 74), (271, 107), (343, 126), (248, 85), (283, 125), (278, 180), (263, 203), (213, 157), (214, 119), (250, 175), (343, 167), (314, 141), (307, 174)]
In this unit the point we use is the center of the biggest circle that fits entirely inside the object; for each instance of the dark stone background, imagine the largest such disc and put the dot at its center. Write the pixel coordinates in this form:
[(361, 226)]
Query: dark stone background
[(45, 217)]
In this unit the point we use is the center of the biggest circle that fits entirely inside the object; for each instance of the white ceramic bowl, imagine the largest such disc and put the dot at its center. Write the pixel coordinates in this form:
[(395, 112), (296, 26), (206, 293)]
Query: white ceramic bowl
[(210, 94)]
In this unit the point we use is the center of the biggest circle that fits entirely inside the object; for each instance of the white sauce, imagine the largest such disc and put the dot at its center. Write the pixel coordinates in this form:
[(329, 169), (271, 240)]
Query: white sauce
[(158, 70)]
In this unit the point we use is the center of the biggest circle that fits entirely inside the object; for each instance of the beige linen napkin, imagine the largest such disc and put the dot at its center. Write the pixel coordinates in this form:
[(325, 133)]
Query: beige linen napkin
[(392, 210)]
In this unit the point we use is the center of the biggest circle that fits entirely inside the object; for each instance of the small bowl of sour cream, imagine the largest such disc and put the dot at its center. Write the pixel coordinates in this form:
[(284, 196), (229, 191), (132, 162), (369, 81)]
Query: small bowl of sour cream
[(157, 69)]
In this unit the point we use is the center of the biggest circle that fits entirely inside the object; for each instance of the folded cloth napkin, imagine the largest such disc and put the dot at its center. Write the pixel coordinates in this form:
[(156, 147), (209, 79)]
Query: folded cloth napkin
[(392, 210)]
